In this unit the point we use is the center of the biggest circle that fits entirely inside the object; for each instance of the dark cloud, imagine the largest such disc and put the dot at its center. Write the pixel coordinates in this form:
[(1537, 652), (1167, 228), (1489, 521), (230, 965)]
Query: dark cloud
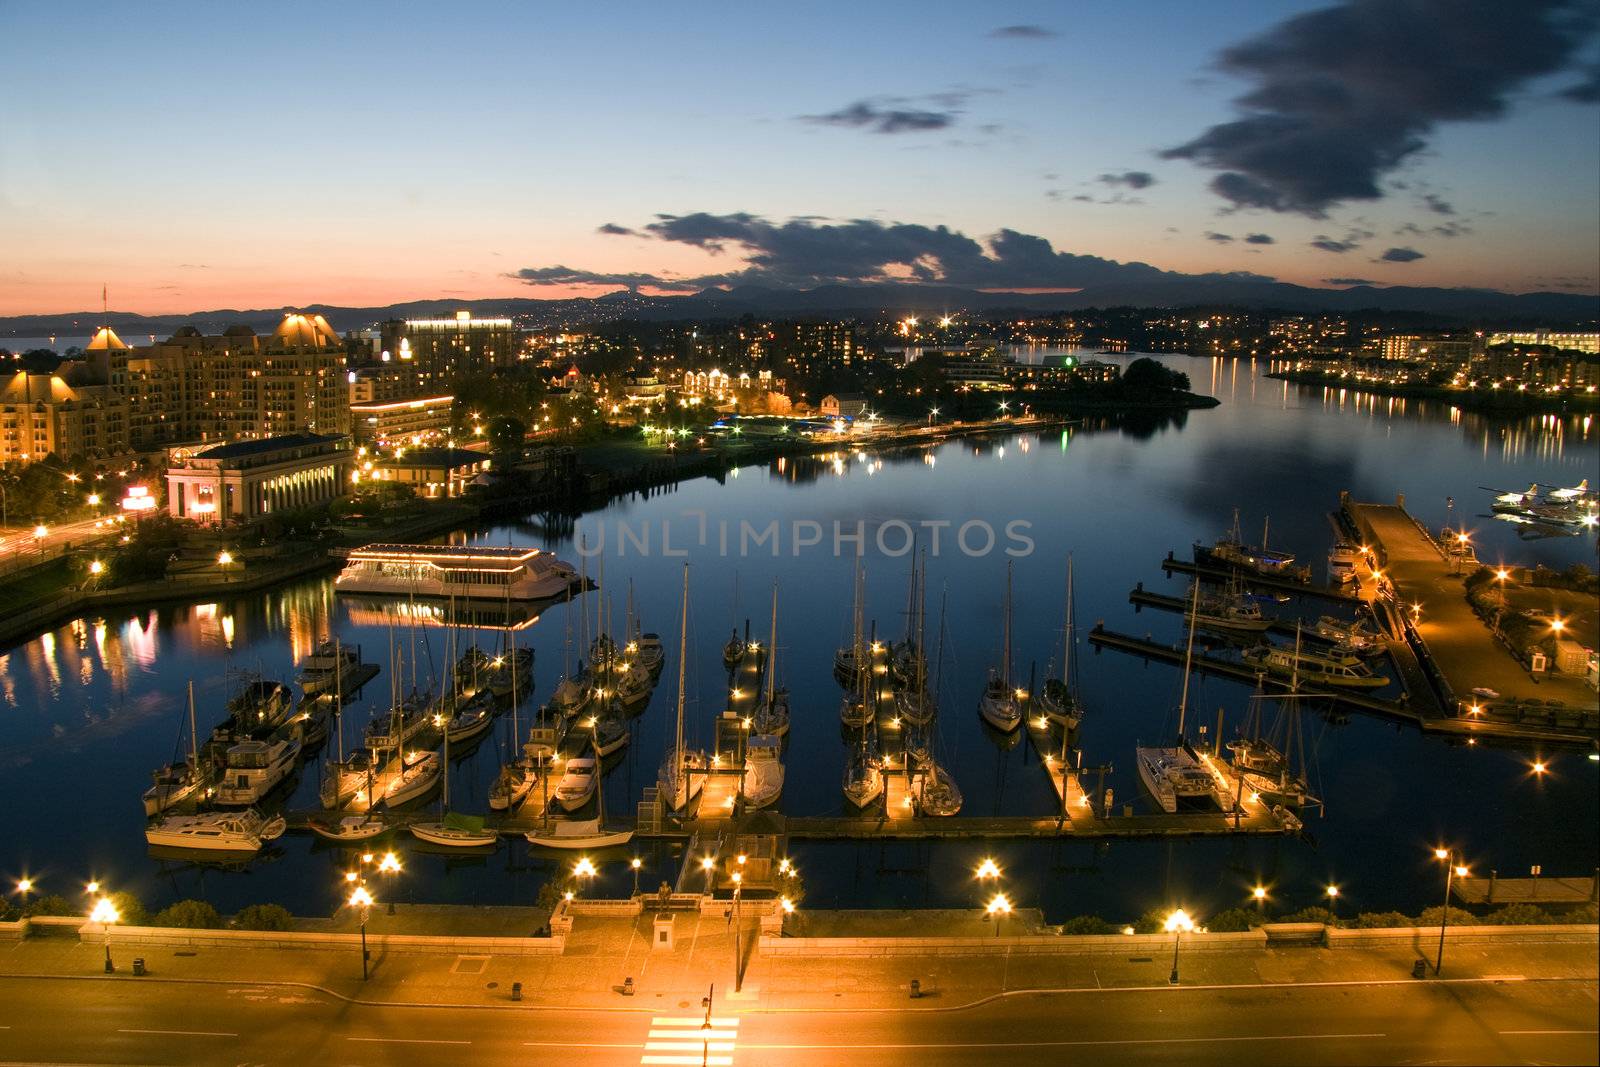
[(1348, 281), (1220, 238), (1084, 198), (802, 253), (887, 116), (1259, 239), (1586, 91), (1401, 255), (1133, 179), (1023, 33), (1342, 95), (615, 230), (1452, 228), (1438, 204), (1328, 244)]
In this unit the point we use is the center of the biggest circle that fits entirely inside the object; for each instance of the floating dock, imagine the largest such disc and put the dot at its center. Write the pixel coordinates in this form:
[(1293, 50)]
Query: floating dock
[(1258, 581)]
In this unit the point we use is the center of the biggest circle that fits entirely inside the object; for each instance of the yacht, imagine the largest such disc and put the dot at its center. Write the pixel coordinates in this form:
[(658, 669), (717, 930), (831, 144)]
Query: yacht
[(1172, 775), (334, 666), (260, 707), (350, 828), (401, 724), (216, 831), (1351, 635), (1342, 562), (480, 572), (763, 771), (252, 769), (1346, 672), (577, 783)]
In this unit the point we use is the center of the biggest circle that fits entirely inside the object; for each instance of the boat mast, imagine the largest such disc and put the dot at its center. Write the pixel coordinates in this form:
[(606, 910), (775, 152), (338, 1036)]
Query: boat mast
[(1005, 656), (772, 649), (338, 693), (922, 628), (1188, 657), (678, 755), (1066, 633)]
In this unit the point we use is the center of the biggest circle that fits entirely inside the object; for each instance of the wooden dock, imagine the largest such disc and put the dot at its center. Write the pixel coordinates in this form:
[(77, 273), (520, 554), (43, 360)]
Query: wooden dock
[(1258, 581), (1141, 597)]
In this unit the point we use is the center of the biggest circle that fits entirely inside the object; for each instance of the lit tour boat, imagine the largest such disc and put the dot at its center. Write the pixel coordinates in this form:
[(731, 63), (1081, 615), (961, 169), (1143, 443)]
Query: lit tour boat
[(479, 572)]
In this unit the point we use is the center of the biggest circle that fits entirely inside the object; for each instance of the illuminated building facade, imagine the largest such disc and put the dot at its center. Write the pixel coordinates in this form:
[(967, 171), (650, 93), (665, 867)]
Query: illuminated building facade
[(380, 423), (246, 480), (431, 354), (70, 413)]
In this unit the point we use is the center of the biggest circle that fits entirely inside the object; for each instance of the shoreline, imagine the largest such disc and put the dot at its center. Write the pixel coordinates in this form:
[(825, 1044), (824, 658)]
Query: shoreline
[(1478, 401)]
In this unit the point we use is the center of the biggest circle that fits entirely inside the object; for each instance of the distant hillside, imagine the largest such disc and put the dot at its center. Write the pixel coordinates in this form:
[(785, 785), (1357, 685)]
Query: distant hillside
[(1465, 305)]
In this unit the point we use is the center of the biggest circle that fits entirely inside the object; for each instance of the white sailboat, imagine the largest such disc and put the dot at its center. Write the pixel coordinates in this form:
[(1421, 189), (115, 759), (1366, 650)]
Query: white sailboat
[(350, 828), (772, 714), (913, 704), (933, 791), (1001, 704), (1174, 774), (581, 833), (453, 830), (683, 773)]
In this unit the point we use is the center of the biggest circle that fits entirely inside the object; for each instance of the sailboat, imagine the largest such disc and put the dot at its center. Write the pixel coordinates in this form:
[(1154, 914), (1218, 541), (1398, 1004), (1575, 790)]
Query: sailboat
[(177, 782), (1172, 774), (847, 660), (644, 648), (1001, 705), (1230, 611), (912, 703), (517, 777), (772, 715), (607, 730), (933, 791), (863, 777), (859, 708), (763, 771), (1058, 700), (1265, 761), (1232, 553), (453, 830), (683, 773)]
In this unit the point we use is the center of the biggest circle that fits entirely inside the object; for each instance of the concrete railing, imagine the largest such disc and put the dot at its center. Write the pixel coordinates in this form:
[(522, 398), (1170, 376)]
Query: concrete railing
[(163, 937), (1027, 944), (14, 931), (610, 909), (1463, 935)]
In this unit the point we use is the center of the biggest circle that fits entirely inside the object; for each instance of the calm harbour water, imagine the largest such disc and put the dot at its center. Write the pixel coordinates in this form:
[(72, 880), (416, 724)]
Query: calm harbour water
[(89, 708)]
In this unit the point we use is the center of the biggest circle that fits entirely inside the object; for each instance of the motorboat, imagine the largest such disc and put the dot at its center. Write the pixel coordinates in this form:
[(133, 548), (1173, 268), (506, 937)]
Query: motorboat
[(577, 784), (1231, 611), (1000, 705), (252, 769), (402, 723), (863, 779), (333, 667), (350, 828), (647, 651), (1343, 559), (763, 771), (1346, 672), (260, 706), (1351, 635), (1172, 775), (583, 834), (455, 830), (216, 831)]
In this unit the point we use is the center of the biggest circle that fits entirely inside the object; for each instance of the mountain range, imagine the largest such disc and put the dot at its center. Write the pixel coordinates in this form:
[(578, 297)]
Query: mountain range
[(1459, 305)]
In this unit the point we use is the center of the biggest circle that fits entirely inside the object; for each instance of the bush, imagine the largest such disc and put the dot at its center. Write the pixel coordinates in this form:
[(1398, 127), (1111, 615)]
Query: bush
[(1235, 920), (54, 904), (1583, 913), (1153, 921), (1430, 917), (263, 917), (1518, 915), (1312, 915), (1087, 924), (189, 915), (1379, 920), (130, 910)]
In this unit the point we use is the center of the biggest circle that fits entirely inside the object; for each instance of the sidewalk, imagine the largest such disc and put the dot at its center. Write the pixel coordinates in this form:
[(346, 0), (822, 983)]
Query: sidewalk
[(602, 952)]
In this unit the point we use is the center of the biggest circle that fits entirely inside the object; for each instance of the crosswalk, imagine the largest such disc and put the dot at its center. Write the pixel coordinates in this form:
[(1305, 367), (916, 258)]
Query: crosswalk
[(691, 1040)]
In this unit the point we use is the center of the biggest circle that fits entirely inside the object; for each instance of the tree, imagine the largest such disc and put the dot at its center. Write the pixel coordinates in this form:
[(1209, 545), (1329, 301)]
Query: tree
[(52, 904), (1087, 924), (1234, 920), (1145, 376), (130, 909), (1313, 915), (1518, 915), (1458, 917), (263, 917), (189, 915), (1382, 920), (507, 434)]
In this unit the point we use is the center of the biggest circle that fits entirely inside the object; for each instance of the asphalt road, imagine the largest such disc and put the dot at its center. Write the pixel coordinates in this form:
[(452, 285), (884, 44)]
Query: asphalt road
[(144, 1021)]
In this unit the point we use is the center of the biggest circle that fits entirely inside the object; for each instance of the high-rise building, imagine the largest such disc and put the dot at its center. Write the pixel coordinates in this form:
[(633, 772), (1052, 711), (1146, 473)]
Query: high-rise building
[(432, 354), (70, 412)]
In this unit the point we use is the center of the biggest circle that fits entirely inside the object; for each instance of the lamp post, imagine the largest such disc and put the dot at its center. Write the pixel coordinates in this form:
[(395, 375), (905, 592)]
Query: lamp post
[(999, 908), (584, 870), (362, 899), (1259, 895), (105, 913), (1177, 923), (636, 863), (1452, 870), (738, 949), (1333, 901), (24, 887), (708, 864)]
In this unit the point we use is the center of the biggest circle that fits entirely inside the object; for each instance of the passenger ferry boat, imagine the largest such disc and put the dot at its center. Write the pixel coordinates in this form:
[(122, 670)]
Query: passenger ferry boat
[(480, 572)]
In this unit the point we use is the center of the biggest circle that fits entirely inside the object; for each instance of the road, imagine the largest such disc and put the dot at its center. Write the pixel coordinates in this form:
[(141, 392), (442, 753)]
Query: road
[(150, 1021)]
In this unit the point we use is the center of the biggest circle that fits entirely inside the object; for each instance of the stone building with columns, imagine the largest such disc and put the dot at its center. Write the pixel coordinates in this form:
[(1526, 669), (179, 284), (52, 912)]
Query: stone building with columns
[(246, 480)]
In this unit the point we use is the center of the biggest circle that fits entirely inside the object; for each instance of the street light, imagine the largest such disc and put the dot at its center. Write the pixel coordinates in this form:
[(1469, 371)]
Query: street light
[(1333, 900), (636, 863), (1452, 871), (1259, 895), (999, 908), (105, 913), (708, 864), (988, 869), (362, 899), (1176, 924)]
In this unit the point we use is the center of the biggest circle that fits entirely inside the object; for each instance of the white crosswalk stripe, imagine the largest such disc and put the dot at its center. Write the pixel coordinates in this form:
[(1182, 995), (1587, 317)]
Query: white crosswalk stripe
[(688, 1040)]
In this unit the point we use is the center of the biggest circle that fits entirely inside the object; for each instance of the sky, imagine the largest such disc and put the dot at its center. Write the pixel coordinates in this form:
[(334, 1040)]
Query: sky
[(201, 156)]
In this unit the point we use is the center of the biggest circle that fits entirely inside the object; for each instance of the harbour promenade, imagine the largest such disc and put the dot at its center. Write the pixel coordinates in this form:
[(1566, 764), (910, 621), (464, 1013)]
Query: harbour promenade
[(1531, 989)]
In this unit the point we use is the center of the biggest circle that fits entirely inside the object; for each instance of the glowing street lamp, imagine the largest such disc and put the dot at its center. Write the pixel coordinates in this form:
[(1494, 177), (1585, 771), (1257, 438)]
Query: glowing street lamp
[(1452, 869), (636, 863), (361, 898), (1333, 899), (1176, 924), (1259, 895), (708, 864), (988, 869), (998, 909), (105, 913)]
